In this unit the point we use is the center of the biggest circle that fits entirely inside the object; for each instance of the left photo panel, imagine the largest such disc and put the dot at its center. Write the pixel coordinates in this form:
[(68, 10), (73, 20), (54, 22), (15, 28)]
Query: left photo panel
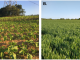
[(19, 29)]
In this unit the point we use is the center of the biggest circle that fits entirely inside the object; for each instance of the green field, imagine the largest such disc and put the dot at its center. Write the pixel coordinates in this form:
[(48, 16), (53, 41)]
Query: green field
[(19, 37), (60, 39)]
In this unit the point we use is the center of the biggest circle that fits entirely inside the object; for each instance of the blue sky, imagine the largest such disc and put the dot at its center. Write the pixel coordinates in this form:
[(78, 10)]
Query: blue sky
[(29, 6), (60, 9)]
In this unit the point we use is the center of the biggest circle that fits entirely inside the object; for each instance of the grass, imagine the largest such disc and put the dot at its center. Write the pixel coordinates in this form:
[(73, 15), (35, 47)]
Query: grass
[(60, 39), (18, 35)]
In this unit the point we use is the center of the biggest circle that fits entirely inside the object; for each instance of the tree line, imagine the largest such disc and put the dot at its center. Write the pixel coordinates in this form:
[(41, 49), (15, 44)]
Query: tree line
[(14, 10), (60, 19)]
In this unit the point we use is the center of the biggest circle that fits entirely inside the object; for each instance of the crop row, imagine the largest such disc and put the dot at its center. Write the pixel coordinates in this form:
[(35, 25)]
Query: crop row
[(19, 18)]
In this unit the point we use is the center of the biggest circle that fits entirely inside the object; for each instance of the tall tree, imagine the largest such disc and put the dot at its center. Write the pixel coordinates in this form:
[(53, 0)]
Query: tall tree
[(14, 10)]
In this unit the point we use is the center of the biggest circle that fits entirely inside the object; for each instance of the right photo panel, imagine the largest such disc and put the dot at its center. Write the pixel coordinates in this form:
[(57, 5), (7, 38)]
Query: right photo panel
[(60, 29)]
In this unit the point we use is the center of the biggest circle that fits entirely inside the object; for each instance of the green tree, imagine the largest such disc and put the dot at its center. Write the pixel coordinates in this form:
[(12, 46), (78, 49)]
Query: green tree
[(15, 10), (61, 18), (79, 19)]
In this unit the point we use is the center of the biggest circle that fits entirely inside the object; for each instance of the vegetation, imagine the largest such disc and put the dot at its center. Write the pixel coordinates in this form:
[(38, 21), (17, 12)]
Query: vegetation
[(15, 10), (60, 19), (60, 39), (19, 37)]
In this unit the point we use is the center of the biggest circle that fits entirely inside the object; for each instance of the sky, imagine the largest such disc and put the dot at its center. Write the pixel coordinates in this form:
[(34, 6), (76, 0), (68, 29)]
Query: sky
[(31, 7), (60, 9)]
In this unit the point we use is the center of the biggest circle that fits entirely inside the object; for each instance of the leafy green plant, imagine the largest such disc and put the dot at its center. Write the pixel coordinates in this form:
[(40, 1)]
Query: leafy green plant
[(29, 56), (23, 49), (33, 51), (17, 28), (13, 55), (37, 44), (5, 38), (12, 48), (60, 41)]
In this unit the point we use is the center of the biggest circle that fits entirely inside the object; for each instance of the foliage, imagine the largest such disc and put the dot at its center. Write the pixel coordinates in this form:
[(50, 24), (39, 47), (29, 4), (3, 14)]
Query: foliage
[(17, 37), (60, 39), (15, 10), (60, 19)]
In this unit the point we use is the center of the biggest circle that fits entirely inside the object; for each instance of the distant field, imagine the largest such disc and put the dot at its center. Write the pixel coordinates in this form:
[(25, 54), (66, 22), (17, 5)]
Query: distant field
[(60, 39), (19, 37)]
